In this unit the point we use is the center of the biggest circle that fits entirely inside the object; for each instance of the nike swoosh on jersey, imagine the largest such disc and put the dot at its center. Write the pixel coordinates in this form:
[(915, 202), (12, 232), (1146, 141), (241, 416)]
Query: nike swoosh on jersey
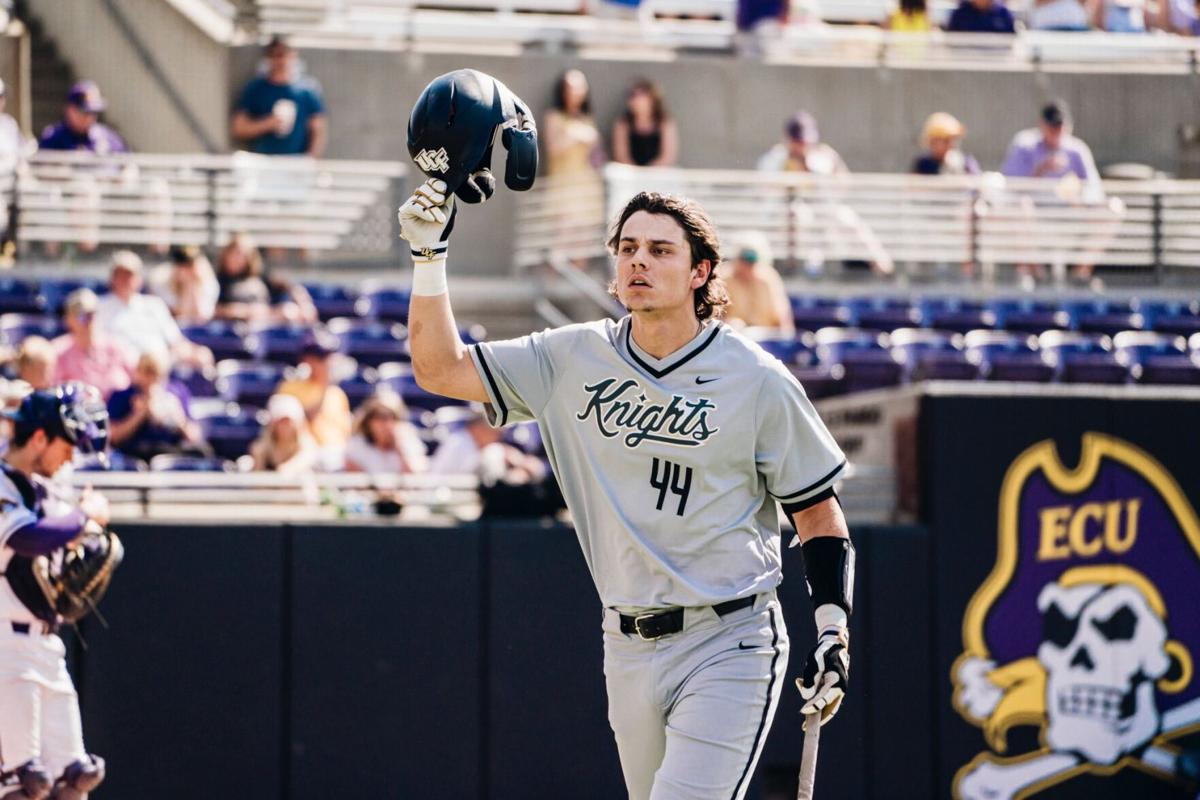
[(742, 646), (701, 381)]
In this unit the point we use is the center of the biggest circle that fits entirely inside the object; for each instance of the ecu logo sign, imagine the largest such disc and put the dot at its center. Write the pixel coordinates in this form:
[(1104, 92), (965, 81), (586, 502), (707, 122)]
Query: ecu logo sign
[(1086, 627)]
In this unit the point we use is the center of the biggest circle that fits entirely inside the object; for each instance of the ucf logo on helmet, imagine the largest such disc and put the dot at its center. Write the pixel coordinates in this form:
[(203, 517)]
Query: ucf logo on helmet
[(433, 160), (1085, 627)]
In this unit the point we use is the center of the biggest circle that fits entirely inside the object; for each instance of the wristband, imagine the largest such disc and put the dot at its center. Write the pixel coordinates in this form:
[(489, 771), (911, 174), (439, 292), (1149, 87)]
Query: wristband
[(829, 571), (429, 277)]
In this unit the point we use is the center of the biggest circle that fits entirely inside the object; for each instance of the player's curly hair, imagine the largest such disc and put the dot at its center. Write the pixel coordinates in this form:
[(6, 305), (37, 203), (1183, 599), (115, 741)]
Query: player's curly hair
[(711, 298)]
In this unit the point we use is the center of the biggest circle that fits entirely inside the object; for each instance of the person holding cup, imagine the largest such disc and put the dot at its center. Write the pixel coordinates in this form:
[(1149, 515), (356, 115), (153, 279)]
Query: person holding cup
[(281, 112)]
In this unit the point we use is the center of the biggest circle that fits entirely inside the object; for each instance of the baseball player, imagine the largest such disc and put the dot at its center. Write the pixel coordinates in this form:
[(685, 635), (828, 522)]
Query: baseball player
[(41, 738), (674, 440)]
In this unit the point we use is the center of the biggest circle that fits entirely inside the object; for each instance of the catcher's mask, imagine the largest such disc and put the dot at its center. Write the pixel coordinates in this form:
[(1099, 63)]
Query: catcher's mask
[(453, 127), (73, 411)]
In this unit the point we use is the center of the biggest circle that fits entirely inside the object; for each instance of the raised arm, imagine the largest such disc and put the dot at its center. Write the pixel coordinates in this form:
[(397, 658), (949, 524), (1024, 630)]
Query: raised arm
[(440, 360)]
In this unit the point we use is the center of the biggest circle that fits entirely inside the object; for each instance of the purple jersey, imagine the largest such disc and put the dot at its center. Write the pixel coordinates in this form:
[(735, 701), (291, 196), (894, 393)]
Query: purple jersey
[(1029, 149), (99, 139)]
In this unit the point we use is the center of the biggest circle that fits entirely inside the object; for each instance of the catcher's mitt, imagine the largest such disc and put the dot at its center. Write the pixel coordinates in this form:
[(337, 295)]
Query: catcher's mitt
[(74, 583)]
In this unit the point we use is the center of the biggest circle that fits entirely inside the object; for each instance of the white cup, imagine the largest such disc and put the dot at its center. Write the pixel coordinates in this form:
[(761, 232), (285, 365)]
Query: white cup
[(286, 110)]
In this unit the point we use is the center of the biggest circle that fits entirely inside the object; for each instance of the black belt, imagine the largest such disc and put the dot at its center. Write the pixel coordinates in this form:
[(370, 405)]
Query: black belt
[(655, 626)]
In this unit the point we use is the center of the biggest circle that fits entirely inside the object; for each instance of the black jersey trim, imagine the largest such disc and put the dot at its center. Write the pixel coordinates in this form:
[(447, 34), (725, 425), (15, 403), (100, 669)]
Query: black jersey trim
[(796, 506), (658, 373), (762, 723), (487, 373), (814, 485)]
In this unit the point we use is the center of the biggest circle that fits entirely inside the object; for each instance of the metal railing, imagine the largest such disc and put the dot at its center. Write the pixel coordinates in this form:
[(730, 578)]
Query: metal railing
[(907, 222), (157, 200), (697, 25)]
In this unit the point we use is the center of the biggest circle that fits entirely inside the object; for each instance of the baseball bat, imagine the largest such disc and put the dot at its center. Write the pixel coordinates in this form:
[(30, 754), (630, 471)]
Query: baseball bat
[(808, 759)]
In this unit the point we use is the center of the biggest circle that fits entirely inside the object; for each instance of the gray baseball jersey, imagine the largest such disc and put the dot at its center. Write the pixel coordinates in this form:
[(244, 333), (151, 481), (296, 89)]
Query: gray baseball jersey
[(671, 467)]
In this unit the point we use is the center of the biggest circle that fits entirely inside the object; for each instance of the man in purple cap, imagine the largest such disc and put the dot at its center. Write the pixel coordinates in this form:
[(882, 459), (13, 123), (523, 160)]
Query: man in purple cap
[(80, 128), (802, 150), (1050, 151)]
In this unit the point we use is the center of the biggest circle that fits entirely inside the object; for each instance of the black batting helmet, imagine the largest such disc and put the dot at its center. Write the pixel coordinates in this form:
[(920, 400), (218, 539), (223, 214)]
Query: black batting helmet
[(73, 411), (453, 127)]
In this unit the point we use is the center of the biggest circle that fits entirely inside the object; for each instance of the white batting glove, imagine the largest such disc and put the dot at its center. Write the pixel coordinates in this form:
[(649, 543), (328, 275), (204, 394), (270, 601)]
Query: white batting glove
[(426, 220), (827, 669)]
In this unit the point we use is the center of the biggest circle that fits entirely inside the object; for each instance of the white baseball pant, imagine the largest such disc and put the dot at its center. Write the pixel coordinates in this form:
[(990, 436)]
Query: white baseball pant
[(691, 710)]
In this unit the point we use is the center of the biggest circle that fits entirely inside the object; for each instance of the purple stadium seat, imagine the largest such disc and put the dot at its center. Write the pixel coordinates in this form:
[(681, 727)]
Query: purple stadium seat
[(249, 383), (18, 296), (931, 355), (359, 387), (334, 300), (371, 343), (55, 290), (814, 313), (388, 304), (879, 313), (1101, 316), (1026, 315), (282, 343), (230, 436), (226, 339), (863, 355), (1007, 356), (399, 378), (1170, 316), (15, 327), (790, 349), (954, 314), (820, 380), (199, 383), (1082, 357), (1157, 358)]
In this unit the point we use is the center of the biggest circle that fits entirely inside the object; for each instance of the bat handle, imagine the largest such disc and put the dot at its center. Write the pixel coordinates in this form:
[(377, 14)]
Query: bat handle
[(808, 759)]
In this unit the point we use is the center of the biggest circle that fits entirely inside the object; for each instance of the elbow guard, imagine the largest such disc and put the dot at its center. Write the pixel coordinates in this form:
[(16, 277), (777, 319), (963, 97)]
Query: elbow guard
[(829, 571)]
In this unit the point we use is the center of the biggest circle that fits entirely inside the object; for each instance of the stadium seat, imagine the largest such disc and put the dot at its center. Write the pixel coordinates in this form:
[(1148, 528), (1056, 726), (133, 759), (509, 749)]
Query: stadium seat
[(1101, 316), (18, 296), (371, 343), (15, 327), (953, 314), (359, 386), (200, 383), (1082, 357), (400, 379), (333, 300), (879, 313), (797, 349), (813, 313), (177, 463), (1170, 316), (926, 354), (230, 435), (1156, 358), (55, 290), (820, 380), (227, 340), (282, 343), (1007, 356), (387, 304), (249, 383), (1026, 315), (863, 355)]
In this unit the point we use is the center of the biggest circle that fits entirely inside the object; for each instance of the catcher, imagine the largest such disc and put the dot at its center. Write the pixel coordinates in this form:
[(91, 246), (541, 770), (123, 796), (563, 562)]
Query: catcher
[(55, 569)]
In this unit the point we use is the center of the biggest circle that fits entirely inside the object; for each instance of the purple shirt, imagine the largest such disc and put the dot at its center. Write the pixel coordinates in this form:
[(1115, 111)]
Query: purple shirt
[(100, 139), (1029, 149)]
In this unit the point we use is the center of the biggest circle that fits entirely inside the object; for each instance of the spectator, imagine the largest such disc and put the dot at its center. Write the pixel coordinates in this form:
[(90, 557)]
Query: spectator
[(1121, 16), (281, 113), (911, 16), (151, 417), (644, 133), (384, 441), (284, 445), (37, 361), (80, 128), (1051, 151), (759, 24), (478, 449), (1059, 15), (12, 157), (939, 140), (802, 150), (1179, 16), (756, 295), (246, 292), (143, 322), (573, 146), (86, 352), (325, 405), (187, 284), (981, 16)]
